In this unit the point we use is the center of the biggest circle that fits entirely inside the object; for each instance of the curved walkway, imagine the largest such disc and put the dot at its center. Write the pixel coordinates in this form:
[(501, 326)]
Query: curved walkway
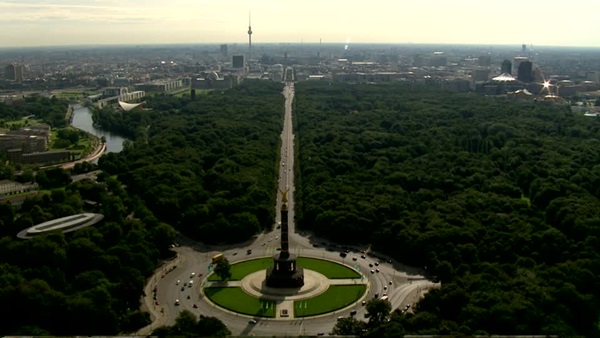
[(99, 151)]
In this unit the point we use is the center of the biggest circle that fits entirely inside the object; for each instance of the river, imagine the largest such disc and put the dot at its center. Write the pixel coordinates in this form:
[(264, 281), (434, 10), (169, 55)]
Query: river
[(82, 119)]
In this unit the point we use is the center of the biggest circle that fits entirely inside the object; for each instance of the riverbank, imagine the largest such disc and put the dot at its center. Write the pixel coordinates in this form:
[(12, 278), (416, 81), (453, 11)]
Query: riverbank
[(99, 151)]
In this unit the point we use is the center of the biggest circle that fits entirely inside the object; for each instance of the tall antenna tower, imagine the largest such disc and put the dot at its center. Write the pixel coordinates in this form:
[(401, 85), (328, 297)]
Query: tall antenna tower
[(249, 35)]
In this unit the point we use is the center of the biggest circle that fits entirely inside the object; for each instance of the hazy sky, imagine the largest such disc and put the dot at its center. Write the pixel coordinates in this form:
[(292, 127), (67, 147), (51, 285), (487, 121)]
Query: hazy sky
[(550, 22)]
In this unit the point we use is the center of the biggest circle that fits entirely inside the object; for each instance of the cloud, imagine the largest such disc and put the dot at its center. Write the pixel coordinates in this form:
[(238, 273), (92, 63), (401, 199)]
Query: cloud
[(95, 11)]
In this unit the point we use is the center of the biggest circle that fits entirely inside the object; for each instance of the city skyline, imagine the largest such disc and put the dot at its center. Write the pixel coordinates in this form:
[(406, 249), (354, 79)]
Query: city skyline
[(42, 23)]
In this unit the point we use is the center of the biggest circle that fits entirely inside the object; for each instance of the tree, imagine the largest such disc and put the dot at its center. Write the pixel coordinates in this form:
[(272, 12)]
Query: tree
[(378, 311), (349, 326), (212, 327), (223, 269), (186, 324)]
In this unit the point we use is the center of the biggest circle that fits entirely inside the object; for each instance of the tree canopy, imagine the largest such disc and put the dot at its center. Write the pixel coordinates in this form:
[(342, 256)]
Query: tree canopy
[(86, 282), (497, 199), (206, 166)]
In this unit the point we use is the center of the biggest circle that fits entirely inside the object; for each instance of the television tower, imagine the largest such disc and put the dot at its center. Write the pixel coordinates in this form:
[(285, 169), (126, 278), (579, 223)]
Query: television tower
[(249, 35)]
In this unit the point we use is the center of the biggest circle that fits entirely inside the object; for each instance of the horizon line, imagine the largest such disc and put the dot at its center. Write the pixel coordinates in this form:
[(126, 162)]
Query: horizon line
[(286, 43)]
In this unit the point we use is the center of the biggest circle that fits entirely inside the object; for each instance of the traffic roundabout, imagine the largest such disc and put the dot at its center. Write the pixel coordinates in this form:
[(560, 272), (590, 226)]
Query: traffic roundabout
[(329, 287)]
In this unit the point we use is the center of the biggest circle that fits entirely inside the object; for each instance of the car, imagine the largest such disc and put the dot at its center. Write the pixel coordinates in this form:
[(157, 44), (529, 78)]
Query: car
[(385, 287), (384, 294), (372, 271), (185, 284), (370, 265), (276, 237), (343, 254), (249, 251), (192, 275), (235, 253), (156, 303), (376, 295), (195, 306), (363, 256), (390, 282), (252, 321), (376, 263), (353, 312), (263, 244), (282, 164), (364, 302), (340, 317), (191, 283), (176, 302), (320, 334), (376, 270), (183, 288), (354, 258), (178, 281)]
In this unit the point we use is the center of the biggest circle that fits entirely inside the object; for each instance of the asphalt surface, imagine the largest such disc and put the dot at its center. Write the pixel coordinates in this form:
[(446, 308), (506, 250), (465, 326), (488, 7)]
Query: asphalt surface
[(407, 284)]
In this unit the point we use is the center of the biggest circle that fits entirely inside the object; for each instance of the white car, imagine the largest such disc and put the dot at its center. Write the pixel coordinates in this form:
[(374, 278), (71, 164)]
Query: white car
[(176, 302), (191, 283), (178, 281), (192, 275)]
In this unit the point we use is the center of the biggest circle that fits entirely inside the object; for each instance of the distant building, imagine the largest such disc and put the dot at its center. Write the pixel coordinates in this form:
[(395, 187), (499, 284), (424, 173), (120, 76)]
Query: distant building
[(506, 67), (593, 76), (115, 94), (17, 156), (212, 80), (437, 61), (516, 62), (237, 61), (223, 49), (29, 139), (14, 72), (10, 187), (165, 85), (121, 81), (484, 61), (537, 75), (525, 72), (480, 75), (521, 95)]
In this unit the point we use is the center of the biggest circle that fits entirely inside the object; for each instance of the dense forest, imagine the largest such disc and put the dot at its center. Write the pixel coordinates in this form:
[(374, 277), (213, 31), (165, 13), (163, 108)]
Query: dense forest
[(86, 282), (206, 165), (49, 110), (496, 199)]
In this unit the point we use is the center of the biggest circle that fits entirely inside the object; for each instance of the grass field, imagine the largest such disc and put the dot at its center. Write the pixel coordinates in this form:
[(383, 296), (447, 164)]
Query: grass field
[(336, 297), (241, 270), (329, 269), (235, 299)]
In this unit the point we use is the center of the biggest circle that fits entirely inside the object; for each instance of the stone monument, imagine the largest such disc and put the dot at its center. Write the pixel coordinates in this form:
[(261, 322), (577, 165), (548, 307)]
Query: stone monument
[(285, 273)]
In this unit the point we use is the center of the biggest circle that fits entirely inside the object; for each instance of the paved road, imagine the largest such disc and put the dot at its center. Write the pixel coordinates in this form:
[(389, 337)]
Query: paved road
[(193, 257)]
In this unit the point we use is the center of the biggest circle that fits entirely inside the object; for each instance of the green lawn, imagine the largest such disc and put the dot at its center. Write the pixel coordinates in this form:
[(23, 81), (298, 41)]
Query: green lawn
[(241, 270), (235, 299), (336, 297), (329, 269)]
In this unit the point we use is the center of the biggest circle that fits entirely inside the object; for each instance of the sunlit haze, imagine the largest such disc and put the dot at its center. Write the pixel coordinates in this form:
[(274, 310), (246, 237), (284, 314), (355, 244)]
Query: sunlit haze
[(73, 22)]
